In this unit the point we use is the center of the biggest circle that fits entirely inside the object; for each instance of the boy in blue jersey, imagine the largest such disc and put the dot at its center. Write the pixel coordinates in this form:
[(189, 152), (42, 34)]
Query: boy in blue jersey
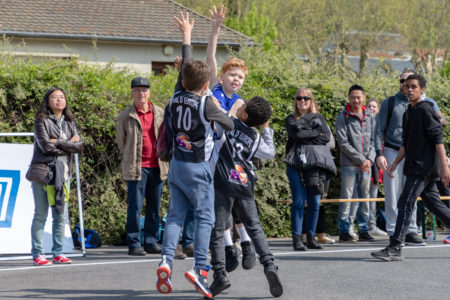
[(224, 89), (193, 115), (234, 181)]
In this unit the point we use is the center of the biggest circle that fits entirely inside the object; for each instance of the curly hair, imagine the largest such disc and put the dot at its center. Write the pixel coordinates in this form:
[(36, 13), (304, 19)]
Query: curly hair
[(258, 110)]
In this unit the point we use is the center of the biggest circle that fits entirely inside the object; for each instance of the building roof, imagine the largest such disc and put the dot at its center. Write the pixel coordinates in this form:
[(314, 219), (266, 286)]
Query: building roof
[(144, 21)]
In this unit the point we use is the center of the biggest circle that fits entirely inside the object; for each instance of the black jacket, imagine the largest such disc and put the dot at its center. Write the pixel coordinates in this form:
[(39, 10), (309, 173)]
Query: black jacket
[(44, 151), (422, 131)]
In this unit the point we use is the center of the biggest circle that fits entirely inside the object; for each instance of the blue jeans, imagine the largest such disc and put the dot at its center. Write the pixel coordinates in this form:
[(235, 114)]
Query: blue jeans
[(300, 195), (190, 184), (37, 227), (352, 177), (187, 238), (149, 187)]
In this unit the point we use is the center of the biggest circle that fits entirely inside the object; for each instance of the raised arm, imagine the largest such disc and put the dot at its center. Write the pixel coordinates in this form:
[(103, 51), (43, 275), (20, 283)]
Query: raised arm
[(217, 20), (185, 25)]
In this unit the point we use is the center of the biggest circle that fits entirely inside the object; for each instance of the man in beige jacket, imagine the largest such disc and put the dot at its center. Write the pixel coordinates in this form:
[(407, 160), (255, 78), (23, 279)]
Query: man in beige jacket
[(137, 131)]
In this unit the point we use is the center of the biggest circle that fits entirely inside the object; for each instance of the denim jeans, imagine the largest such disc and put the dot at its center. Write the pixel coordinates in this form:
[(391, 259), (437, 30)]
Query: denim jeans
[(248, 214), (188, 236), (415, 187), (37, 227), (300, 195), (372, 222), (351, 178), (149, 187), (189, 183), (393, 187)]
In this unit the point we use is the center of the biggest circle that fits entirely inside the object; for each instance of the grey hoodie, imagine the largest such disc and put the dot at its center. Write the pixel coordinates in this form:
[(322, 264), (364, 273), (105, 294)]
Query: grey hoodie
[(393, 138), (355, 137)]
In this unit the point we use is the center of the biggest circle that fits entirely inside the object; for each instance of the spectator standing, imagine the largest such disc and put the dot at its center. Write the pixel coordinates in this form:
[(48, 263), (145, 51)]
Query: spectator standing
[(388, 134), (137, 131), (305, 127), (377, 178), (55, 140), (354, 132)]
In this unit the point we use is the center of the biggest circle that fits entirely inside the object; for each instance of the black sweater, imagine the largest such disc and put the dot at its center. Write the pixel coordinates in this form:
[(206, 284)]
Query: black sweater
[(422, 131)]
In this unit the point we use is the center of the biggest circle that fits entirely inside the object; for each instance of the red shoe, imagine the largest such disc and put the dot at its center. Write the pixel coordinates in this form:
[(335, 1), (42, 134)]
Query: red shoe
[(447, 240), (40, 260), (61, 259)]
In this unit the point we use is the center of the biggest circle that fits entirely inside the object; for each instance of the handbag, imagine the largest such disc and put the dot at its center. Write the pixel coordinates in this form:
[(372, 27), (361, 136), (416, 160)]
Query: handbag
[(40, 173), (295, 157)]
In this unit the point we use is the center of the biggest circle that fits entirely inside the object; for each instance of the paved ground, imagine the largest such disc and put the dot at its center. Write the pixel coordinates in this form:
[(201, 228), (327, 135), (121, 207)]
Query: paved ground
[(341, 271)]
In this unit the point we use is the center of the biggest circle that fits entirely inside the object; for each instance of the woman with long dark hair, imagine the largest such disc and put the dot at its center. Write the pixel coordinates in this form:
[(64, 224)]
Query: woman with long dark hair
[(55, 140)]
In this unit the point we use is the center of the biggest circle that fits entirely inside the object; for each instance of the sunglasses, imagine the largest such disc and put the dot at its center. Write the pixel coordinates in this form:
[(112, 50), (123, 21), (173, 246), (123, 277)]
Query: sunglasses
[(300, 98), (402, 81)]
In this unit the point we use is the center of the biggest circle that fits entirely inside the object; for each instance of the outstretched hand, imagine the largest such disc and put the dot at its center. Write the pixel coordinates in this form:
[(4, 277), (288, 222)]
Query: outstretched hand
[(217, 17), (184, 24), (177, 63)]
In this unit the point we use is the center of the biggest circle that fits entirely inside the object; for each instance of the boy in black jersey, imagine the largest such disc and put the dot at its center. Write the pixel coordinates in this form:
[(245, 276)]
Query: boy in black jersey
[(190, 179), (234, 181)]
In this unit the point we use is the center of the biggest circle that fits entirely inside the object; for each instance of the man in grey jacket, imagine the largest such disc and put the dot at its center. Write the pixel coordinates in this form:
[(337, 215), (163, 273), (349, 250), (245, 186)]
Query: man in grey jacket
[(388, 131), (354, 132)]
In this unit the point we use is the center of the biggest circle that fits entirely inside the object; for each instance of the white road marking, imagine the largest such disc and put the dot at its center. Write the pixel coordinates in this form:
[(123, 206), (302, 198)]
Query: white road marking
[(276, 254)]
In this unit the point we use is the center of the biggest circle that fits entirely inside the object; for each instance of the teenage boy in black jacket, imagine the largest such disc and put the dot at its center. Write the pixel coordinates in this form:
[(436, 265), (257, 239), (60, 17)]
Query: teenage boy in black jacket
[(425, 162)]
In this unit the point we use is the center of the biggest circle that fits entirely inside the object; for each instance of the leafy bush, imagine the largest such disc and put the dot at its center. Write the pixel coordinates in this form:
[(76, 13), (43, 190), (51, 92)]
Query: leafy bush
[(96, 94)]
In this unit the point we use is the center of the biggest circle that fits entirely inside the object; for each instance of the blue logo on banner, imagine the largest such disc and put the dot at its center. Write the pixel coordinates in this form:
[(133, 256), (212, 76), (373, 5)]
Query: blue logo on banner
[(9, 186)]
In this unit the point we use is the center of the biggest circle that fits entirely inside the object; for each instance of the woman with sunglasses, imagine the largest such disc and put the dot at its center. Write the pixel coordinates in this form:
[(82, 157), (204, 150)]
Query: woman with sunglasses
[(305, 127)]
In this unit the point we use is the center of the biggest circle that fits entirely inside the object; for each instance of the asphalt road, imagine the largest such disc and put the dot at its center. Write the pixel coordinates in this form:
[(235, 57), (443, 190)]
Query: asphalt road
[(340, 271)]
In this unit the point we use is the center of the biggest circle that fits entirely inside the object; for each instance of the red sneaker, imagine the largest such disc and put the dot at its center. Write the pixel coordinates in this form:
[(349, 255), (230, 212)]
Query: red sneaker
[(447, 240), (41, 260), (61, 259)]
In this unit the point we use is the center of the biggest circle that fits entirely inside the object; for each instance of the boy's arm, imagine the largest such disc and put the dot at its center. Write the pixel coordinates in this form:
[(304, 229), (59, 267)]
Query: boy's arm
[(217, 20), (216, 114), (185, 25), (234, 108), (445, 172), (400, 155), (266, 147)]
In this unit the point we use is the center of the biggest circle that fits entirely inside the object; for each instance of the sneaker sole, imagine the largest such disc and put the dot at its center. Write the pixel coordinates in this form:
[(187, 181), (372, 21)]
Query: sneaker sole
[(163, 285), (390, 258), (415, 244), (193, 280), (39, 265), (275, 287), (62, 263)]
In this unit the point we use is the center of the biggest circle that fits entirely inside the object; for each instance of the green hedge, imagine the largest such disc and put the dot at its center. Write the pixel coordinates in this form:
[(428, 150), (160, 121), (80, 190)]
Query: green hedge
[(96, 94)]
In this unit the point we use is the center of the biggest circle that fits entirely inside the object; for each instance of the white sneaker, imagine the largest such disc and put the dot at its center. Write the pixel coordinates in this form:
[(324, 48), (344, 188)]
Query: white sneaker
[(352, 233), (377, 231)]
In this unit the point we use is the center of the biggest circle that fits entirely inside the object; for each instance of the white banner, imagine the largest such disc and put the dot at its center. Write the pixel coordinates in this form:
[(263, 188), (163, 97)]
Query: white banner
[(17, 204)]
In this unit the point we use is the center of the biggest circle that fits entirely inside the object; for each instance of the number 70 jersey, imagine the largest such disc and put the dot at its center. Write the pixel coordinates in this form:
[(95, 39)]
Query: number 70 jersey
[(193, 133)]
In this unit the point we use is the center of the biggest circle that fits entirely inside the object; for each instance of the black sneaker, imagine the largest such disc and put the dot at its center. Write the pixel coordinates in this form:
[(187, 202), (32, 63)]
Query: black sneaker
[(365, 236), (231, 258), (199, 279), (412, 239), (388, 254), (346, 238), (138, 251), (271, 271), (220, 283), (248, 255), (153, 249)]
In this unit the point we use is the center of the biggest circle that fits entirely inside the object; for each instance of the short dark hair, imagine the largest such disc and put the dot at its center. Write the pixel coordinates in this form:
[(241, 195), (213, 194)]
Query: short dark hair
[(258, 110), (408, 71), (355, 87), (195, 74), (422, 81), (45, 111)]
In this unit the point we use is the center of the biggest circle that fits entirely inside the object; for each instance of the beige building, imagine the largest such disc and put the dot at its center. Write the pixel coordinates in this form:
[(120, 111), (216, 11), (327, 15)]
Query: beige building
[(134, 33)]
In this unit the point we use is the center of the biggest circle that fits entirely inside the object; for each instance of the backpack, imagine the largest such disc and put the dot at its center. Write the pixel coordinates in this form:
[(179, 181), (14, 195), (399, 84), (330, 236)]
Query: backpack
[(391, 101), (91, 238), (164, 142)]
